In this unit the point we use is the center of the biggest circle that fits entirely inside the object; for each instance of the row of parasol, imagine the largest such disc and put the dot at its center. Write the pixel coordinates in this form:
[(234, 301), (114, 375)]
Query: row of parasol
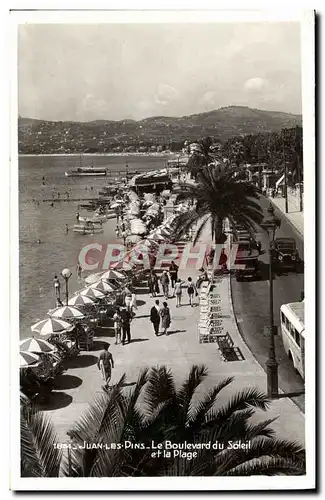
[(61, 319)]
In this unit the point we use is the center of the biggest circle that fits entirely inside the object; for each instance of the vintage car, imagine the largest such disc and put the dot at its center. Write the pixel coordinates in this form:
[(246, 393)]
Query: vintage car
[(285, 254), (247, 255)]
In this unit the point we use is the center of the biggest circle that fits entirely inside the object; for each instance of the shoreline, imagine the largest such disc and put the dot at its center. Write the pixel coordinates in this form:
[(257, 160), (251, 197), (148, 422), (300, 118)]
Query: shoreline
[(159, 155)]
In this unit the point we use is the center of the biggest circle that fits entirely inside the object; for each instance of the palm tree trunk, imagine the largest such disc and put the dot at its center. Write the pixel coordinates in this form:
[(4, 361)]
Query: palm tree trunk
[(219, 236)]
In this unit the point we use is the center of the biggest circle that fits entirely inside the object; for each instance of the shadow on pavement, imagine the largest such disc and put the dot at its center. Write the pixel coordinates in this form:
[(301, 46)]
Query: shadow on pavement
[(98, 345), (141, 291), (137, 340), (54, 401), (66, 382), (81, 361), (141, 302), (142, 316), (105, 331), (171, 332)]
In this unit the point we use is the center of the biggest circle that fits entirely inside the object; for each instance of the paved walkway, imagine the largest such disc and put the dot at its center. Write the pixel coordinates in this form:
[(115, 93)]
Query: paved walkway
[(179, 351), (295, 217)]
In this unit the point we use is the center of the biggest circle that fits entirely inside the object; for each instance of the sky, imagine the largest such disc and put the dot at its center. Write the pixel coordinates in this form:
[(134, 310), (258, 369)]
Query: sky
[(133, 71)]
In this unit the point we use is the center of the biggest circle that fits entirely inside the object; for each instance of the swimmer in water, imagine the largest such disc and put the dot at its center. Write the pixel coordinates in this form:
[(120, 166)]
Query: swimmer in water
[(52, 204), (66, 228), (38, 241)]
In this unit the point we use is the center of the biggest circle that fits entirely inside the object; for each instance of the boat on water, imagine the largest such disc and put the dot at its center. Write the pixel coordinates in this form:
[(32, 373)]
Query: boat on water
[(87, 171), (88, 228), (82, 171)]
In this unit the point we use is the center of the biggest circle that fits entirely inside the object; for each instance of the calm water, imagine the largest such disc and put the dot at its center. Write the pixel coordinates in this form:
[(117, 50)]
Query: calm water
[(58, 249)]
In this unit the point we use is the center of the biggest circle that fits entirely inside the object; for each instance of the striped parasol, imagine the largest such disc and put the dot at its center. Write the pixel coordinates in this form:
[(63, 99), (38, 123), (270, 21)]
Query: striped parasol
[(81, 301), (92, 278), (28, 359), (92, 292), (111, 275), (36, 345), (51, 325), (103, 286), (66, 312)]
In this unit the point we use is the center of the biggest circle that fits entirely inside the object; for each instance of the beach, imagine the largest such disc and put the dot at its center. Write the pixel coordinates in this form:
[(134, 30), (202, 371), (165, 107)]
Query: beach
[(39, 262)]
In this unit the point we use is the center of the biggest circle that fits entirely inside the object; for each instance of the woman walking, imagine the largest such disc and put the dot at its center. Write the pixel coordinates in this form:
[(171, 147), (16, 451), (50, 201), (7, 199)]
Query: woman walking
[(178, 292), (165, 317), (190, 290), (117, 318)]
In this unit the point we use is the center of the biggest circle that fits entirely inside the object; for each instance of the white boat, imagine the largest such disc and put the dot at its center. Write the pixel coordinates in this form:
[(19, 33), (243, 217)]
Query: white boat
[(86, 172), (87, 228), (92, 221)]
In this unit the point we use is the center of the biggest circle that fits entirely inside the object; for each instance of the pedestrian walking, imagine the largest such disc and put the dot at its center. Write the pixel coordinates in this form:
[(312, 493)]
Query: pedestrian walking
[(203, 276), (191, 289), (117, 318), (105, 364), (223, 260), (155, 317), (178, 292), (126, 325), (165, 318), (79, 270), (173, 271), (164, 280), (153, 283)]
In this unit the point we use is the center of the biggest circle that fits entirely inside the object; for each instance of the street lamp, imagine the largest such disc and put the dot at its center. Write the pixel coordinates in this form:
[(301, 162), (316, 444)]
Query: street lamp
[(66, 274), (271, 223)]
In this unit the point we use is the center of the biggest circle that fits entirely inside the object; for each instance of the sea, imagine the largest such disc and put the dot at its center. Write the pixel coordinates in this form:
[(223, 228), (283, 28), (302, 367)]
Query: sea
[(38, 220)]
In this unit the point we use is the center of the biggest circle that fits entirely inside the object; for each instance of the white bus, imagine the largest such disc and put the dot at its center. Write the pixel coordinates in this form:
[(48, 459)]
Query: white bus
[(292, 318)]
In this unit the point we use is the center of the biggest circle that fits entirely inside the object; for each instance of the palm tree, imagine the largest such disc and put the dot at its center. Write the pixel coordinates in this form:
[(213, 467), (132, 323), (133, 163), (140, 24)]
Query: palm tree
[(218, 195), (124, 424)]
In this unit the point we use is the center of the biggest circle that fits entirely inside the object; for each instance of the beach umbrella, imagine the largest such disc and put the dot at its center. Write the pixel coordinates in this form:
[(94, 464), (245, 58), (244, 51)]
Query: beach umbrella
[(157, 237), (28, 359), (103, 286), (92, 278), (66, 312), (51, 325), (36, 345), (116, 204), (91, 292), (133, 238), (111, 275), (81, 301)]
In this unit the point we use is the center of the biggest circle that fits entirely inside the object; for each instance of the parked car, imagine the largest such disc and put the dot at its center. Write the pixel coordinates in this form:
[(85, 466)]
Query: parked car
[(285, 254), (247, 255)]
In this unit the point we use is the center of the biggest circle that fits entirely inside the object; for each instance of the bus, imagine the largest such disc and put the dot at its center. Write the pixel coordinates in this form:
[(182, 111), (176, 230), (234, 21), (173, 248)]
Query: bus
[(292, 318)]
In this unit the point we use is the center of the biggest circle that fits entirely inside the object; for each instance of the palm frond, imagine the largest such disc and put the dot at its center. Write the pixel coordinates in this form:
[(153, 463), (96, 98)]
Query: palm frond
[(160, 388), (39, 455), (184, 395)]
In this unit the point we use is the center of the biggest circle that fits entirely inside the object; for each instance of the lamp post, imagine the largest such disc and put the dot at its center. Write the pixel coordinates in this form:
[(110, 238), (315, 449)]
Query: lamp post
[(271, 224), (66, 274)]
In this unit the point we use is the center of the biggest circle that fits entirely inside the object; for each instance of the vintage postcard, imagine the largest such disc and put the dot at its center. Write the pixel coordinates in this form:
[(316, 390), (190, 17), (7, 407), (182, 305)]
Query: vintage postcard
[(162, 278)]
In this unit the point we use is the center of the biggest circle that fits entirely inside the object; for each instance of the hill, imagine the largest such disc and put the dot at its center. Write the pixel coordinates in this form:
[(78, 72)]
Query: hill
[(40, 136)]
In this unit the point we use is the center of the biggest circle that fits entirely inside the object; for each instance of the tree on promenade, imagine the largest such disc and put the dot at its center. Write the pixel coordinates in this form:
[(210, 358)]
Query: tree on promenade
[(156, 411), (218, 196)]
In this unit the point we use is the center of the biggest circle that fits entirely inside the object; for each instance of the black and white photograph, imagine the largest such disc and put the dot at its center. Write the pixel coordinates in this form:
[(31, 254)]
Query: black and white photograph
[(162, 281)]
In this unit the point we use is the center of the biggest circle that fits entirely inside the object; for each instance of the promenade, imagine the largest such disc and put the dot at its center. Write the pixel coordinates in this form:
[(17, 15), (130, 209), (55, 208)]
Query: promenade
[(178, 351), (294, 216)]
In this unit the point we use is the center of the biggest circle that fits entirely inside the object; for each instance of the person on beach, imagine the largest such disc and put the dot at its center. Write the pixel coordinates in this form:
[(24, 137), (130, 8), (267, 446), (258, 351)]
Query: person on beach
[(105, 364), (178, 292), (77, 216), (57, 286), (128, 299), (165, 318), (190, 290), (126, 325), (173, 270), (117, 326), (155, 317), (59, 303), (66, 228), (164, 280), (79, 270)]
